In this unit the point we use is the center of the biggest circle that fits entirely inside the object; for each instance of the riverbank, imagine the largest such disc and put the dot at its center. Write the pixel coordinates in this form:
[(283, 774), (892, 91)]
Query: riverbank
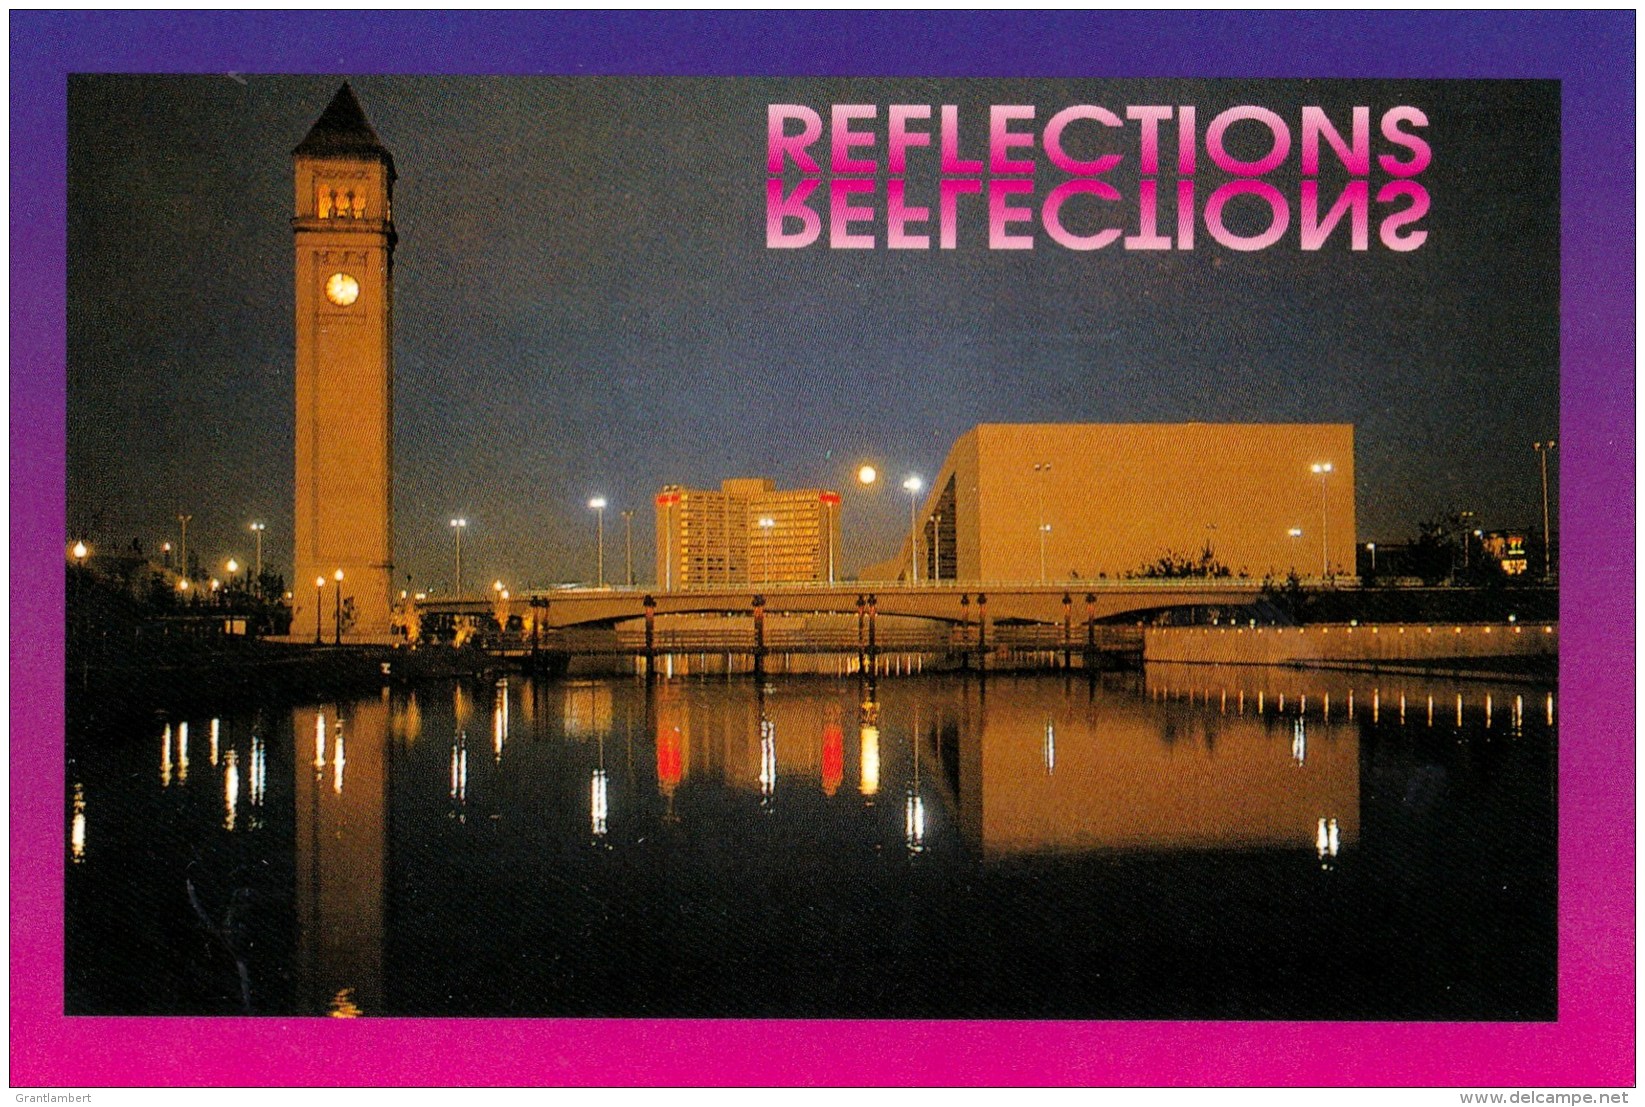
[(227, 672), (1454, 650)]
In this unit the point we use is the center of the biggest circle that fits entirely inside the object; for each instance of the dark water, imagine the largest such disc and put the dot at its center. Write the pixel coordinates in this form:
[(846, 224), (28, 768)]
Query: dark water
[(1196, 842)]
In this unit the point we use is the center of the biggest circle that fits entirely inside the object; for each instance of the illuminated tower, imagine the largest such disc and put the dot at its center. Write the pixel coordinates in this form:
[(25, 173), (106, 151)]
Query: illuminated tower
[(344, 232)]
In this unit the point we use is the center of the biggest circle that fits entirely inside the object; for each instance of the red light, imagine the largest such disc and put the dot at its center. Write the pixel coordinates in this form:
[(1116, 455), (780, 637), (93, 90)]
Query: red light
[(832, 499)]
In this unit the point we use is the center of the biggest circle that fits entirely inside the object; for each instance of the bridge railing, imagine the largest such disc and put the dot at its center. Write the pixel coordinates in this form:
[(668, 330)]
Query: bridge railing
[(742, 639)]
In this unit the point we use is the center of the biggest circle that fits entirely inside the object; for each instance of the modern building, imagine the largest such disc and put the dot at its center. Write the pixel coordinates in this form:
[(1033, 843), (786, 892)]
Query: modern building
[(344, 240), (748, 532), (1059, 502)]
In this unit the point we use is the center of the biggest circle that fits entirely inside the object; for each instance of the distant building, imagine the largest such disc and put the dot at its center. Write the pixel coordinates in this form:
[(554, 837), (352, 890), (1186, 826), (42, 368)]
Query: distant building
[(1083, 501), (747, 533)]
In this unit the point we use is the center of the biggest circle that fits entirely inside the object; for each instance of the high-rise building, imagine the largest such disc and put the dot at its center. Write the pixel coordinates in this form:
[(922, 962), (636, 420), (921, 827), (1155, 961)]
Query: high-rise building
[(344, 239), (747, 533)]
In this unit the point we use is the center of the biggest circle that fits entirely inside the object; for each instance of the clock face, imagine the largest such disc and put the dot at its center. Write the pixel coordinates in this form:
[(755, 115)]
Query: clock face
[(342, 289)]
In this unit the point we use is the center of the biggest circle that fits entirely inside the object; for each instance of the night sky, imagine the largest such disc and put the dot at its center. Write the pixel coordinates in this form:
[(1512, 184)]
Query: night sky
[(584, 304)]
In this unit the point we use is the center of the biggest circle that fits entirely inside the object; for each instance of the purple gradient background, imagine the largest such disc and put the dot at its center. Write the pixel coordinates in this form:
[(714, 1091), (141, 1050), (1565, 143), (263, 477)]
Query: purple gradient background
[(1592, 1043)]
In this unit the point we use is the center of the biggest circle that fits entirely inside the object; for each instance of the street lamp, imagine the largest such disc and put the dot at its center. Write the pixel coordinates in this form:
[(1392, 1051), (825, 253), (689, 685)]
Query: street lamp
[(319, 591), (1371, 548), (628, 547), (233, 567), (338, 625), (457, 528), (598, 505), (182, 550), (1044, 470), (766, 525), (258, 529), (1323, 469), (1542, 449), (830, 505), (80, 551), (913, 484)]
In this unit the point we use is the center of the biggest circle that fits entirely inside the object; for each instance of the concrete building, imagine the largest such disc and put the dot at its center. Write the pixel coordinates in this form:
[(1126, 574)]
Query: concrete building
[(344, 241), (747, 533), (1061, 502)]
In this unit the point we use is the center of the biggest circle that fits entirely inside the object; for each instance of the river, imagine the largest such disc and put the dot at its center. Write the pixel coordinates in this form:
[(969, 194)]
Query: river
[(1187, 842)]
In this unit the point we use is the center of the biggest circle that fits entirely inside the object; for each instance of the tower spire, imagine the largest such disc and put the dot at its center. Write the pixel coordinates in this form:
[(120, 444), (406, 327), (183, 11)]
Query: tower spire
[(343, 131)]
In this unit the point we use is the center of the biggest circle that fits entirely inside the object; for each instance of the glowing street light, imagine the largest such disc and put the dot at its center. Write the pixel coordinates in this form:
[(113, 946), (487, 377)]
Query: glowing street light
[(457, 528), (258, 529), (1322, 469), (319, 594), (913, 485), (867, 475), (831, 507), (1044, 470), (80, 551), (597, 504), (1371, 548), (338, 625), (233, 566)]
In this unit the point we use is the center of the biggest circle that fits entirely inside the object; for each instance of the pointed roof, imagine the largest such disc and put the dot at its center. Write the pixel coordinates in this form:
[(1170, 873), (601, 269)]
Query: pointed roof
[(343, 131)]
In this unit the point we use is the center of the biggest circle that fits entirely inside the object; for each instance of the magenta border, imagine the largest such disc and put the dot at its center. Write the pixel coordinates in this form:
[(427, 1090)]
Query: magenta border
[(1593, 1041)]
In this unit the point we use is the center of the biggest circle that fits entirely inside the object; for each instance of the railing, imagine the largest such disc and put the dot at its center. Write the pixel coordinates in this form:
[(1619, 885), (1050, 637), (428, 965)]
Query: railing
[(743, 640)]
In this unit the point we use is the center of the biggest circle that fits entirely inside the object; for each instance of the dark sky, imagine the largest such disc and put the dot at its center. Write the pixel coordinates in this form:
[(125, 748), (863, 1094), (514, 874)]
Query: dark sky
[(585, 305)]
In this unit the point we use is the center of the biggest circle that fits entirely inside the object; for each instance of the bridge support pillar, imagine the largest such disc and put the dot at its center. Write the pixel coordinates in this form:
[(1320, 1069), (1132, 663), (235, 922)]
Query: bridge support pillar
[(650, 638), (1067, 632), (982, 632), (1091, 631), (873, 622)]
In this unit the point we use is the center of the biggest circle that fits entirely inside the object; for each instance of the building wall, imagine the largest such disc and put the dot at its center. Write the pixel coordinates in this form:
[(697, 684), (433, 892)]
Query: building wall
[(1118, 497), (714, 538)]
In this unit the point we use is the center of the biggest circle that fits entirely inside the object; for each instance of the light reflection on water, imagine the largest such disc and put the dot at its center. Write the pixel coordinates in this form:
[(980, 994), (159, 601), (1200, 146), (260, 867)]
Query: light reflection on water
[(1120, 807)]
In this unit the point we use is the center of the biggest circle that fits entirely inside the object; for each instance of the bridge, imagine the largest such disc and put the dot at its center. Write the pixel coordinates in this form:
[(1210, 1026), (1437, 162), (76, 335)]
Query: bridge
[(961, 624), (1068, 603)]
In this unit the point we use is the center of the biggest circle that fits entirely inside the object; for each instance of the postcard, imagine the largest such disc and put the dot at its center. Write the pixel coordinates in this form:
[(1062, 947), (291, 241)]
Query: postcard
[(823, 553)]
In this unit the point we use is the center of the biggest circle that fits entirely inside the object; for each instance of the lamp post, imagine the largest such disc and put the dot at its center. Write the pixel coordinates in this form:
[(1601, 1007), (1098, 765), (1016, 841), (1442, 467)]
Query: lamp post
[(165, 548), (628, 547), (233, 566), (337, 626), (319, 590), (182, 549), (1323, 470), (830, 505), (257, 530), (1542, 449), (913, 484), (1044, 470), (457, 528), (1371, 548), (598, 504), (767, 523)]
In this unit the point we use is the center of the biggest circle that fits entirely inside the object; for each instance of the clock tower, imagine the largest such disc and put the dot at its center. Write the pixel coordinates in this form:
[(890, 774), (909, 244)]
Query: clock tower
[(344, 519)]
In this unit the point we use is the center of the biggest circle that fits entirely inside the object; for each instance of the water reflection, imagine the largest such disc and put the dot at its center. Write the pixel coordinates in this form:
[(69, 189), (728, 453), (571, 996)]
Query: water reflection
[(340, 856), (1241, 771)]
